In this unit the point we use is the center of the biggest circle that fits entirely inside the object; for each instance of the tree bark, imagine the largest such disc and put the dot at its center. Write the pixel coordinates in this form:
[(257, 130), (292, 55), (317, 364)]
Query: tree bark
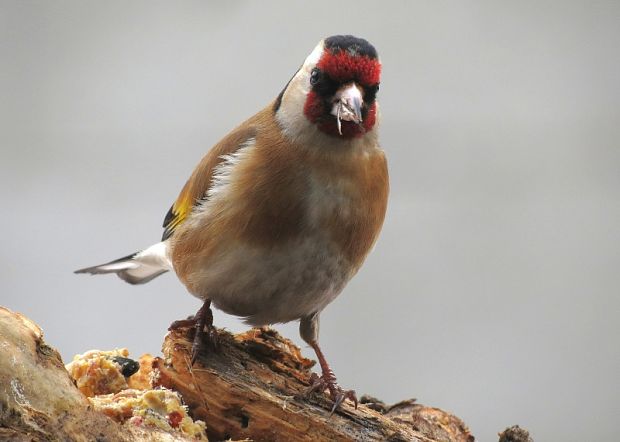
[(38, 399), (254, 387)]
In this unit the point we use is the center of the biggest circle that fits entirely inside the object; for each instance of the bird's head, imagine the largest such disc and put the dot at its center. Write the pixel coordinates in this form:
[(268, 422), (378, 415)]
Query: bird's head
[(334, 91)]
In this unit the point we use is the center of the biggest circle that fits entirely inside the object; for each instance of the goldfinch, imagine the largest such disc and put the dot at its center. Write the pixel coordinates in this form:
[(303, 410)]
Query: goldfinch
[(282, 212)]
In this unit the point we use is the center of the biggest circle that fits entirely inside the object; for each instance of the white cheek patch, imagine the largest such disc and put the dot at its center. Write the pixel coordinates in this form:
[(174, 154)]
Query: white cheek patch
[(314, 56), (301, 81), (290, 114)]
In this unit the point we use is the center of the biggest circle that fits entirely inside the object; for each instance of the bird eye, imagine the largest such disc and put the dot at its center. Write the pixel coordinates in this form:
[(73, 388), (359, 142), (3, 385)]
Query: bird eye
[(314, 76)]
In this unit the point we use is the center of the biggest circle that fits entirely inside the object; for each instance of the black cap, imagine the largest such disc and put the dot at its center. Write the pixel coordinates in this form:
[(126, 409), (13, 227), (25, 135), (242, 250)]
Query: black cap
[(352, 45)]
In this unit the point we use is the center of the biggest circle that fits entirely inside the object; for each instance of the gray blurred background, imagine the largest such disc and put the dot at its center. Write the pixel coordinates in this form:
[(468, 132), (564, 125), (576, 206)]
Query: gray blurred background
[(493, 291)]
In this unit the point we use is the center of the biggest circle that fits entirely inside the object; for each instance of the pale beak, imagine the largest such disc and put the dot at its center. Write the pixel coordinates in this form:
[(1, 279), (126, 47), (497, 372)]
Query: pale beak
[(348, 105)]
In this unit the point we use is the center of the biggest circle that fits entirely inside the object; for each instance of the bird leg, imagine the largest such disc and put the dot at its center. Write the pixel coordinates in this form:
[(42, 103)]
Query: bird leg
[(327, 381), (205, 334)]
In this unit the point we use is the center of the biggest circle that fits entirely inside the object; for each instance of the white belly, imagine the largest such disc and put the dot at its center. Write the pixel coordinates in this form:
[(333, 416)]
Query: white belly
[(279, 285)]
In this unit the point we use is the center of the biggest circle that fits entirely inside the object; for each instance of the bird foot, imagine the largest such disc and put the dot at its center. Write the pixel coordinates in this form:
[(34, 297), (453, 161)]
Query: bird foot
[(183, 323), (205, 340), (203, 334), (328, 382)]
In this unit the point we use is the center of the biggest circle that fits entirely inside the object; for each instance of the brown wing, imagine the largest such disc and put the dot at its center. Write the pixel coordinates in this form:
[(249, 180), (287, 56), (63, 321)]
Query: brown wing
[(199, 183)]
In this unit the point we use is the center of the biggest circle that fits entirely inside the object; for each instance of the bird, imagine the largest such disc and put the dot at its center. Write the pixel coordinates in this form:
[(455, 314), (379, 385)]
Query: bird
[(281, 213)]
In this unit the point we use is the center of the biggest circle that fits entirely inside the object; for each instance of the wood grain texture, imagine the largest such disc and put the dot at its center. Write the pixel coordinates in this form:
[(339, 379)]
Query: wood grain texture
[(254, 387)]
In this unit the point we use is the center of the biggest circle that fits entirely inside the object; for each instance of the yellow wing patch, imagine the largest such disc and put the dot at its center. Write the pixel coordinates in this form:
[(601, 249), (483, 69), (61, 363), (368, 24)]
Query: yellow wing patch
[(196, 187), (176, 215)]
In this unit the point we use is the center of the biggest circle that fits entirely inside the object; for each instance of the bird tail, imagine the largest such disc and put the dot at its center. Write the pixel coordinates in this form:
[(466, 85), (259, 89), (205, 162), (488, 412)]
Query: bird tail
[(137, 268)]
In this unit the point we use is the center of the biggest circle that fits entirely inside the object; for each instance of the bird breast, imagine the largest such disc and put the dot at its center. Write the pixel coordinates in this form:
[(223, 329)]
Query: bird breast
[(284, 232)]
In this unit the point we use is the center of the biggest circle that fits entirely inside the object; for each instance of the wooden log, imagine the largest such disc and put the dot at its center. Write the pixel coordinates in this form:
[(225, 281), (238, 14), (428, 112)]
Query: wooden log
[(38, 399), (255, 387)]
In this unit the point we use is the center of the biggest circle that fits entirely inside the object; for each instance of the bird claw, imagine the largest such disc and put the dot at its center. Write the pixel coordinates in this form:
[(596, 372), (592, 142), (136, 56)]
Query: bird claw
[(182, 323), (201, 331), (204, 340), (336, 393)]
